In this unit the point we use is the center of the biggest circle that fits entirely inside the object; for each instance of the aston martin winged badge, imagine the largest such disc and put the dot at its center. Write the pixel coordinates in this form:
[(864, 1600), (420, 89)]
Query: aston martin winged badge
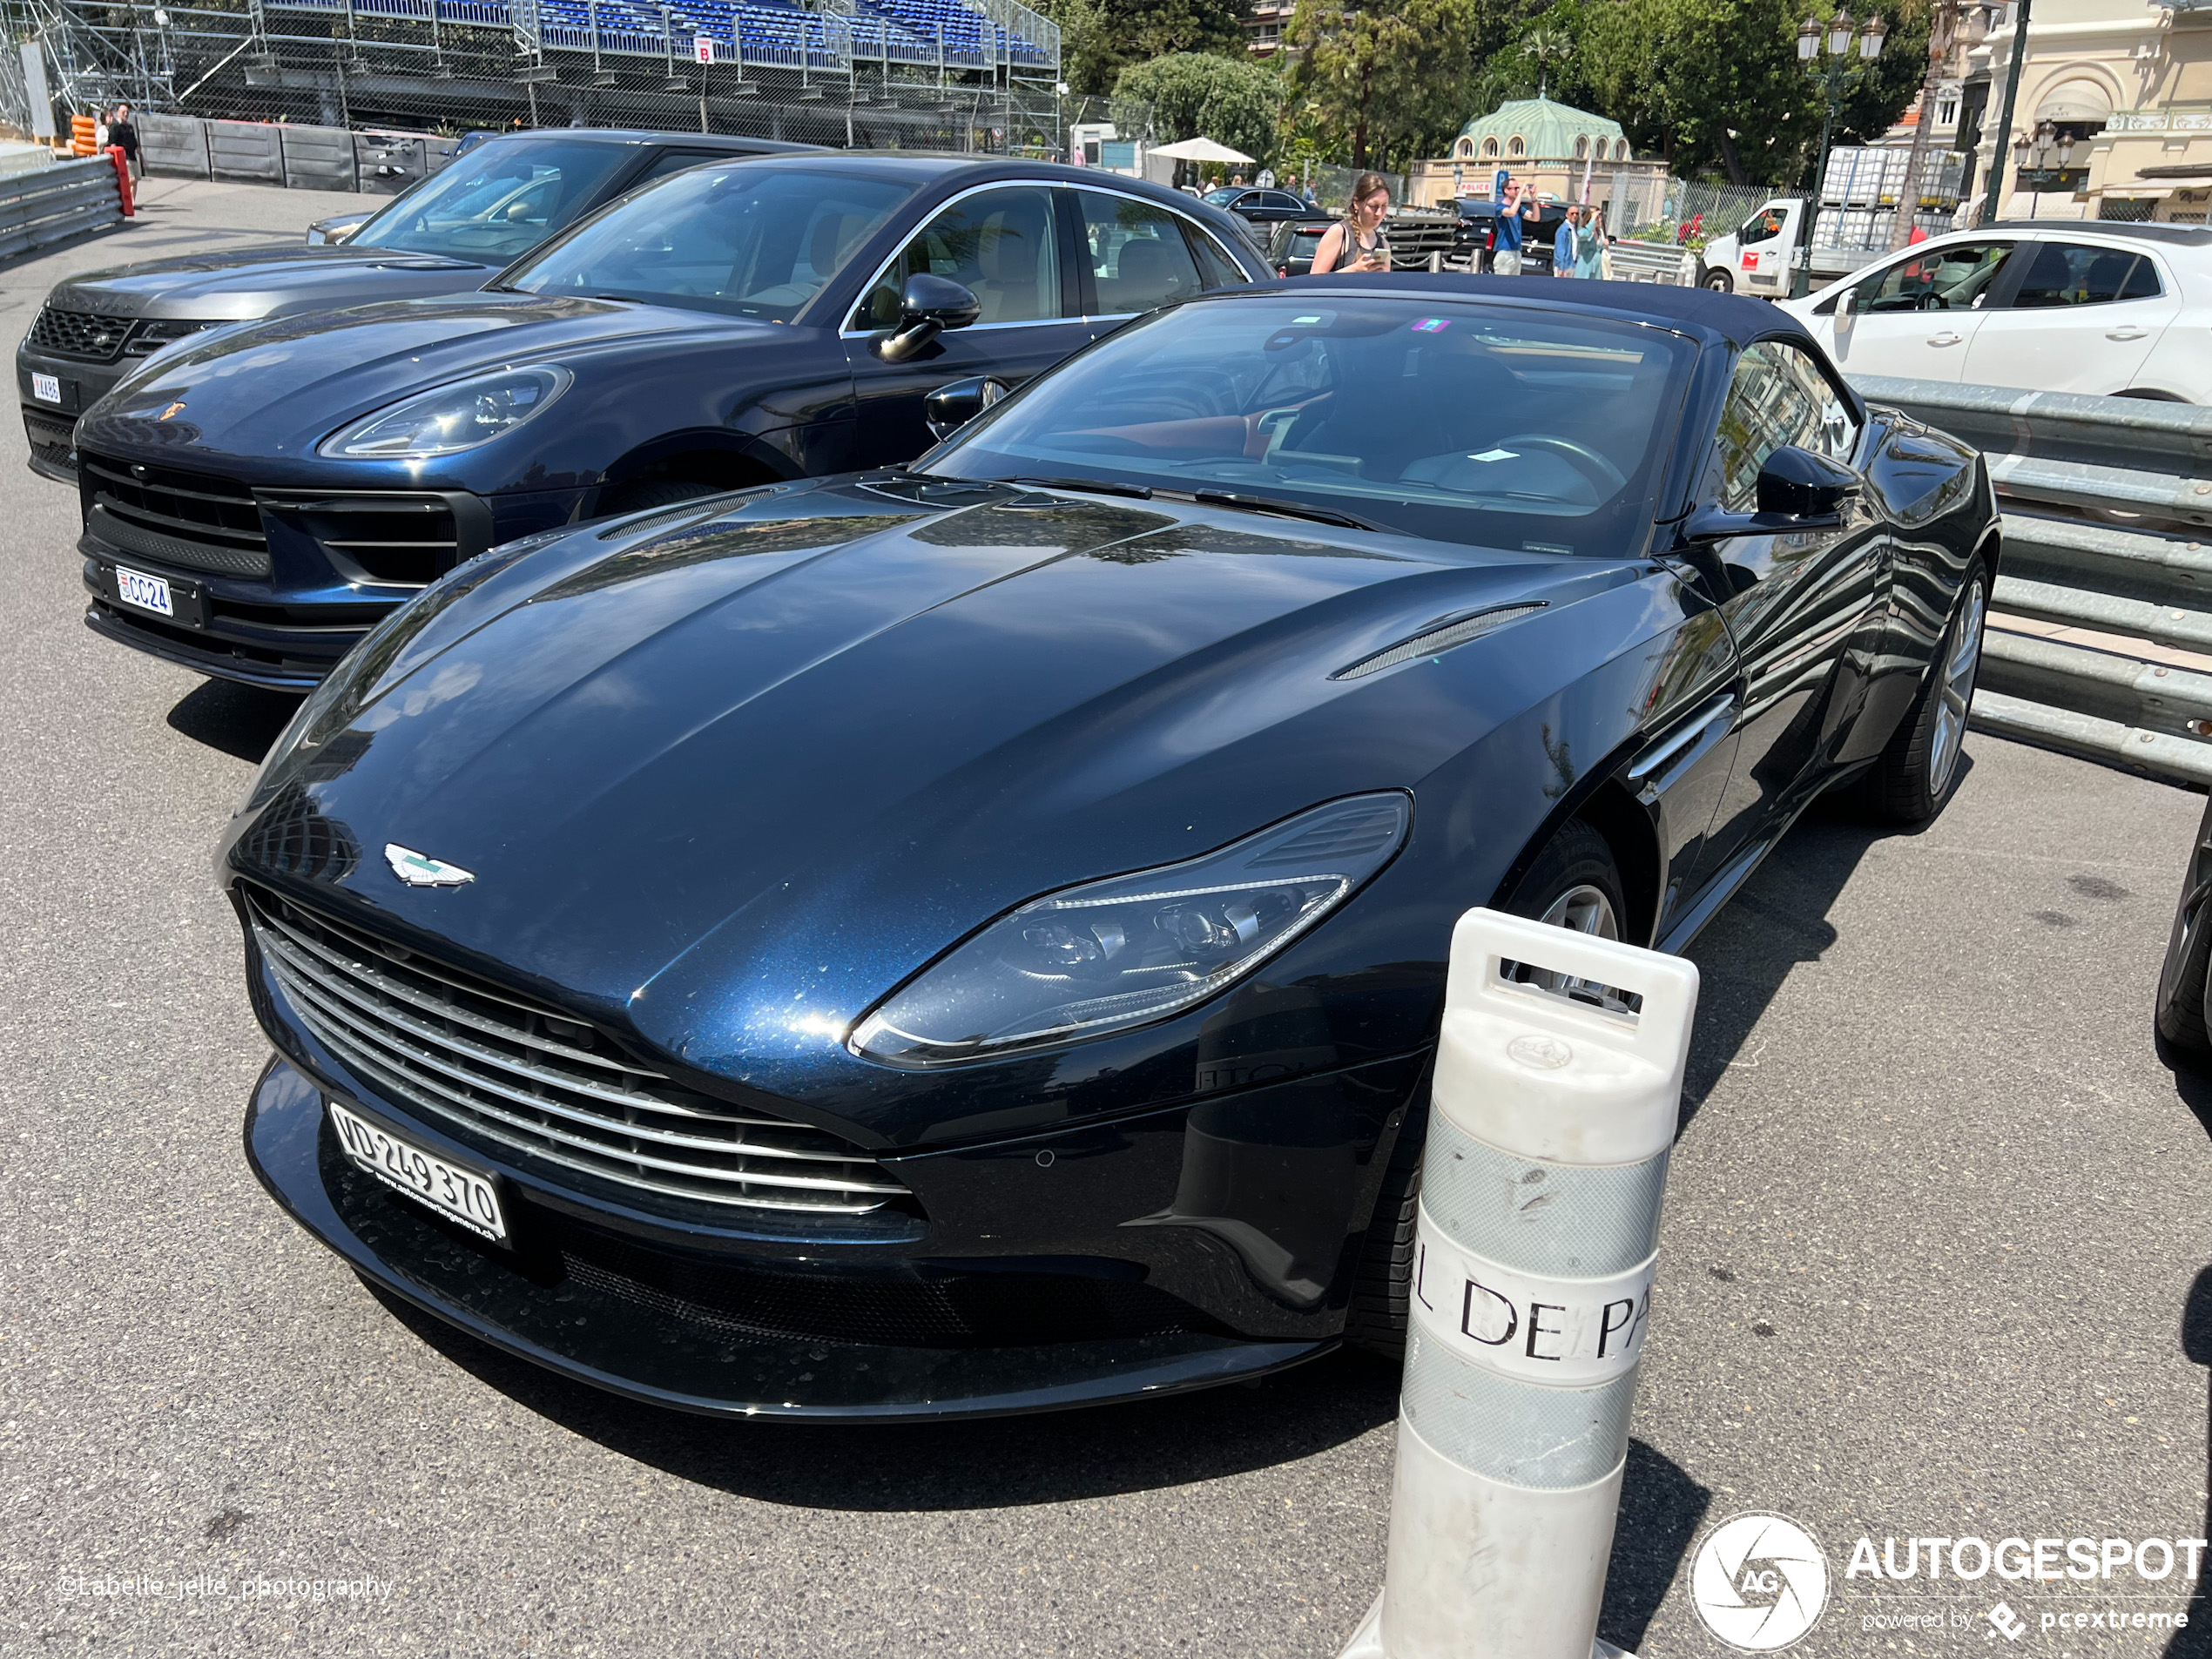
[(421, 870)]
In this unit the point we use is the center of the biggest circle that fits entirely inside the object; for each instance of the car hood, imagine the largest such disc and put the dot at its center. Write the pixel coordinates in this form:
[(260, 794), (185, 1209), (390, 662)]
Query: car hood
[(731, 775), (242, 283), (276, 388)]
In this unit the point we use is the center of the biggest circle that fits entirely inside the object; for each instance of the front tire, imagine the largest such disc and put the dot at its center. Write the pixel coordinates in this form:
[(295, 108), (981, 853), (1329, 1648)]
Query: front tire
[(2182, 980), (1914, 777), (1574, 882), (1717, 279)]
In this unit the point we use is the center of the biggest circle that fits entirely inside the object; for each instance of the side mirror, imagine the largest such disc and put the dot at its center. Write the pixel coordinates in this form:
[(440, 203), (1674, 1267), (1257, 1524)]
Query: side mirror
[(1804, 485), (950, 408), (1847, 301), (1797, 490), (927, 306)]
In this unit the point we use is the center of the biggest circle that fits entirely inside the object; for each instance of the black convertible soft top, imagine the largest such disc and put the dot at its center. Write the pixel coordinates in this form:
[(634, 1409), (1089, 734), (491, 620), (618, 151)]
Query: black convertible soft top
[(1732, 317)]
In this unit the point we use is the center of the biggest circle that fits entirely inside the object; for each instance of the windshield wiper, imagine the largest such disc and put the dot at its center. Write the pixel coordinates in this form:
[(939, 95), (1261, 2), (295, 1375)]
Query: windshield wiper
[(1095, 486), (1286, 509)]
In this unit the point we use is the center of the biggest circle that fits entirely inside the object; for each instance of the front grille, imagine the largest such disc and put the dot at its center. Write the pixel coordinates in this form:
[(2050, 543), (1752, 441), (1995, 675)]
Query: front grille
[(82, 335), (495, 1067), (920, 1307), (52, 439), (387, 536), (185, 519)]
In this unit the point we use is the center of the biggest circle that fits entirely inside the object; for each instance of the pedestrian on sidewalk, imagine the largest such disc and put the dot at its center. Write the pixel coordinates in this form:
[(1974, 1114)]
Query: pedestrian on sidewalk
[(1589, 246), (1515, 206), (1356, 242), (121, 135)]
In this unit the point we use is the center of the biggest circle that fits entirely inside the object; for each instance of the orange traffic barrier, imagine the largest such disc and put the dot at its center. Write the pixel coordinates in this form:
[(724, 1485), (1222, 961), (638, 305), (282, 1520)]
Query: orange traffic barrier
[(82, 129), (122, 178)]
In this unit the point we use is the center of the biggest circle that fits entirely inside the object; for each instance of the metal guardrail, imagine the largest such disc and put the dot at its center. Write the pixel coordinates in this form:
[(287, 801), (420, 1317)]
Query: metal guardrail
[(1659, 262), (58, 204), (2103, 501)]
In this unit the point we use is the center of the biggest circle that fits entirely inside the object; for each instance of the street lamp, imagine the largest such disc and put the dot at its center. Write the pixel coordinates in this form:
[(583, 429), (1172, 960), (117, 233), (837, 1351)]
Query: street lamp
[(1844, 39), (2048, 159)]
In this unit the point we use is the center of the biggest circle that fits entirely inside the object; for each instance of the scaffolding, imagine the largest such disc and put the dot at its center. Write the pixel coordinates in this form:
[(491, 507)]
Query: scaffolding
[(971, 75)]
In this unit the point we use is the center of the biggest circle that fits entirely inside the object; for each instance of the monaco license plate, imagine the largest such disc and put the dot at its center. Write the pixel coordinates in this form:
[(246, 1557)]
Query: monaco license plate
[(47, 388), (147, 592), (452, 1189)]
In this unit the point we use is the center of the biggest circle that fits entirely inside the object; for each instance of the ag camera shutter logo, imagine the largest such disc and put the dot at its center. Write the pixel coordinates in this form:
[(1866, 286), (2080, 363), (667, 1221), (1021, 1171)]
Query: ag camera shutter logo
[(1759, 1582)]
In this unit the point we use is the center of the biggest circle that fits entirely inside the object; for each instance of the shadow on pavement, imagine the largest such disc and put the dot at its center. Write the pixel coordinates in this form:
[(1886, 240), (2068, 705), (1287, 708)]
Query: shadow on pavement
[(240, 720), (1777, 921), (998, 1463), (1661, 1511)]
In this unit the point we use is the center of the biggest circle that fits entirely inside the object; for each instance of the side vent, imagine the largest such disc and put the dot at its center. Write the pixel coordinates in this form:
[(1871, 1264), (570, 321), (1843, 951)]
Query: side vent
[(1439, 639)]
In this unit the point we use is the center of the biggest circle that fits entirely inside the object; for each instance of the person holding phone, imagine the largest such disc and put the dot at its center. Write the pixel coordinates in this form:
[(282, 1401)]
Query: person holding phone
[(1513, 207), (1356, 242)]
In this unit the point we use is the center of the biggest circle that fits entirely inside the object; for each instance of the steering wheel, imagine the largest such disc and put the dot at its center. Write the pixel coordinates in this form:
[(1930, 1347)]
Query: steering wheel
[(1593, 465), (1933, 301)]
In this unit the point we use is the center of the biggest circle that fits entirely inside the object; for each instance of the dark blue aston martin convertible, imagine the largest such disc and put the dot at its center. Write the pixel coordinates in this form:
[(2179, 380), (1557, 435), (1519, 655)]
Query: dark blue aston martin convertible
[(971, 938)]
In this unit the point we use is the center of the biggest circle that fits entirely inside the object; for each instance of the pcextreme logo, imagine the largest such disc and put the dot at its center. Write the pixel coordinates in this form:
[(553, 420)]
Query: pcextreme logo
[(1759, 1581)]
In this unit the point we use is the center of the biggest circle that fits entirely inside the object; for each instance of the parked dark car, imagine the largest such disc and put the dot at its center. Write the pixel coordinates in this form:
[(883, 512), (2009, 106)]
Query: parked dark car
[(971, 938), (1479, 234), (255, 502), (1291, 244), (452, 232), (2183, 1009), (1261, 208)]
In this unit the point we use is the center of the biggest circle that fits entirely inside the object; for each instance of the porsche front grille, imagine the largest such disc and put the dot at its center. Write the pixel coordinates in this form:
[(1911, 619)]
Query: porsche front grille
[(497, 1068)]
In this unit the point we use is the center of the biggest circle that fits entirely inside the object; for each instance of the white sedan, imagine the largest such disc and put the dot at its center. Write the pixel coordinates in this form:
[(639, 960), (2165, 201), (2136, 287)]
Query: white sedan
[(2060, 305)]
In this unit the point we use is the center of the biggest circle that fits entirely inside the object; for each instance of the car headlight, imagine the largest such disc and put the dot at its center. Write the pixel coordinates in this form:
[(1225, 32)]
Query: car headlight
[(152, 335), (1130, 949), (451, 418)]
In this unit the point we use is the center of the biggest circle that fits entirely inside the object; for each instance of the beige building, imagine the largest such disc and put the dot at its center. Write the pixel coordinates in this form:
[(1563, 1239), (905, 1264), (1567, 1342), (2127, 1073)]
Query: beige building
[(2130, 85), (1554, 148)]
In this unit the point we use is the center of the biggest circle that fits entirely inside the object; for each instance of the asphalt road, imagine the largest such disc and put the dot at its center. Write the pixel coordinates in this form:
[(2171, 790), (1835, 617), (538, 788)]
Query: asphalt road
[(1937, 1213)]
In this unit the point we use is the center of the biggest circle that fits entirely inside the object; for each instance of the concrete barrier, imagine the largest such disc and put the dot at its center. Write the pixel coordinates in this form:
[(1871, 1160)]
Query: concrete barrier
[(317, 157), (250, 150)]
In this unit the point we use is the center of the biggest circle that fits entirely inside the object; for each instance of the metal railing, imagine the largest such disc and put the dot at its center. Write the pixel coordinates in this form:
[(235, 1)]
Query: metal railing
[(2104, 501), (58, 204)]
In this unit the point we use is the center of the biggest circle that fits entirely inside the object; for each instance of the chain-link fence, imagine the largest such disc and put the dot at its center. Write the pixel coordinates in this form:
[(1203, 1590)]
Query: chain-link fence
[(1655, 208), (913, 74)]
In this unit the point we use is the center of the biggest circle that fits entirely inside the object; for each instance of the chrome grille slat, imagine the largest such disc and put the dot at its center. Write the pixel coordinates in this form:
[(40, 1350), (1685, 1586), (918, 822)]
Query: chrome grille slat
[(448, 1046), (319, 995), (392, 1056), (364, 970), (393, 989), (368, 1066)]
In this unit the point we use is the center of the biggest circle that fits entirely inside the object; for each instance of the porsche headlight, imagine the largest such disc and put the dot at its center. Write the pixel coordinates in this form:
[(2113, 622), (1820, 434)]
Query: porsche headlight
[(451, 418), (1134, 949)]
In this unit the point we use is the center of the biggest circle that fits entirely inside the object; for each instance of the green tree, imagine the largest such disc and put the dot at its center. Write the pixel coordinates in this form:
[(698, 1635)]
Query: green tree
[(1099, 38), (1393, 74), (1546, 45), (1193, 95)]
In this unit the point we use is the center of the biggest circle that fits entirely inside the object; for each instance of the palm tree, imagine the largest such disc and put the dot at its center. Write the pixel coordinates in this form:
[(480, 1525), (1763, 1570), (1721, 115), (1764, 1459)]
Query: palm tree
[(1547, 44)]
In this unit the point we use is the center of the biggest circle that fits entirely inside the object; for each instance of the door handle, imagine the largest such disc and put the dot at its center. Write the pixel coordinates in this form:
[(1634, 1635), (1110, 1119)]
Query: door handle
[(1946, 338), (2129, 331)]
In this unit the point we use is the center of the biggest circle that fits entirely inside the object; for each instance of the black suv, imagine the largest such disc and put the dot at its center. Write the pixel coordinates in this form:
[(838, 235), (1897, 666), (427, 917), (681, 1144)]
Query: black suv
[(454, 231)]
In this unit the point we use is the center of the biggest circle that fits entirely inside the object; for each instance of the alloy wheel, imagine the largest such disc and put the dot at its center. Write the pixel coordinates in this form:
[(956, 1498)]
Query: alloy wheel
[(1955, 694)]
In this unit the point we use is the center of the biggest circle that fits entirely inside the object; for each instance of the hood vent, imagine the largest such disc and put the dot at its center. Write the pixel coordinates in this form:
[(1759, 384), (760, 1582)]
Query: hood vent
[(1440, 638)]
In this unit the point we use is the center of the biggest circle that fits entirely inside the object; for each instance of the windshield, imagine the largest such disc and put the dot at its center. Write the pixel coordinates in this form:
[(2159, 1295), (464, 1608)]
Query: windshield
[(1458, 421), (754, 240), (498, 201)]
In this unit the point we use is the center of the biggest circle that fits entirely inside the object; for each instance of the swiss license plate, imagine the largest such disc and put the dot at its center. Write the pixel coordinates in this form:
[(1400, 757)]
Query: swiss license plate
[(147, 592), (47, 388), (457, 1193)]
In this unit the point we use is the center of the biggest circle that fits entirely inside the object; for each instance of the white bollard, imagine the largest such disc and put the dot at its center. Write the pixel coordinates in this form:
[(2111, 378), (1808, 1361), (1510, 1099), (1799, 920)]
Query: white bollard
[(1549, 1124)]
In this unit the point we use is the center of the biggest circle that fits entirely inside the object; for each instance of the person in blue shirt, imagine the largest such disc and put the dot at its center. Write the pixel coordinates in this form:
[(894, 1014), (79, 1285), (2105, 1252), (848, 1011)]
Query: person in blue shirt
[(1563, 245), (1514, 205)]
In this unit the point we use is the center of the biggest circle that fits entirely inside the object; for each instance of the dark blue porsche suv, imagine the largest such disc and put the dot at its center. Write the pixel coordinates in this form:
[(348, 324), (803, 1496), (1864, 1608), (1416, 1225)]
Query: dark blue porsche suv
[(256, 499)]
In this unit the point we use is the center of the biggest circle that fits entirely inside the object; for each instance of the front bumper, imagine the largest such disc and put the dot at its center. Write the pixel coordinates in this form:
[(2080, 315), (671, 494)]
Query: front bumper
[(50, 421), (634, 1338)]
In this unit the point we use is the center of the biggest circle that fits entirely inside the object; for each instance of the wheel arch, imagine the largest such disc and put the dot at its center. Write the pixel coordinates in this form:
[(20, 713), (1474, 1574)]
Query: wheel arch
[(723, 460), (1605, 804)]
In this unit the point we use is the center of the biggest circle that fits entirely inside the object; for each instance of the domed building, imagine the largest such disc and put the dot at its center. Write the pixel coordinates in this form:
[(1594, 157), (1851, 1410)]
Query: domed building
[(1549, 147)]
